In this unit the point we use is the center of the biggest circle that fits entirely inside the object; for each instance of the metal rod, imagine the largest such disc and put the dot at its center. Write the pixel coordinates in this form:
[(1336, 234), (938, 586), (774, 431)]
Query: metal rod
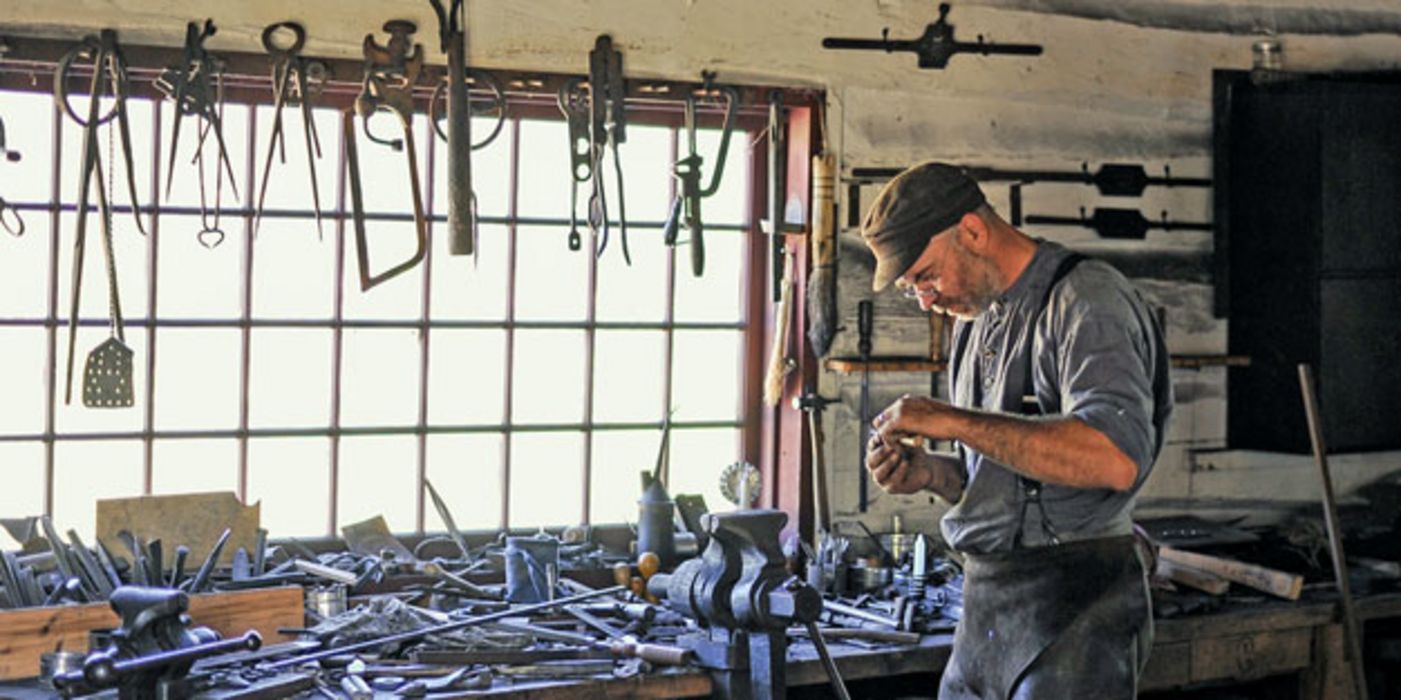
[(245, 357), (445, 627), (833, 606), (838, 687), (512, 208), (1335, 534), (148, 417)]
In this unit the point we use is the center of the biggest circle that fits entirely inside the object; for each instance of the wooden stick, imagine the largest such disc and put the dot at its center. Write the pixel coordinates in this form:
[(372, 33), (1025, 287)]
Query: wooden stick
[(1204, 581), (1335, 533), (1280, 583)]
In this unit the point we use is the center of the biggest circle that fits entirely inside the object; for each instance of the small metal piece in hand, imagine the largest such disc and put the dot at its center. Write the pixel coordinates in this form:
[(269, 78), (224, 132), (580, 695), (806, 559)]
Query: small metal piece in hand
[(107, 376)]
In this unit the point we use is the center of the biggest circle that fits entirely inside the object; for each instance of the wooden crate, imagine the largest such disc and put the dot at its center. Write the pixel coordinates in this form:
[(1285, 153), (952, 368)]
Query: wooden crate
[(27, 633)]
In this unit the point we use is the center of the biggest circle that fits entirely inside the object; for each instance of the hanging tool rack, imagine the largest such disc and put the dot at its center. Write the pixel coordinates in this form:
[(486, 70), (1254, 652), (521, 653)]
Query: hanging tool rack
[(529, 94)]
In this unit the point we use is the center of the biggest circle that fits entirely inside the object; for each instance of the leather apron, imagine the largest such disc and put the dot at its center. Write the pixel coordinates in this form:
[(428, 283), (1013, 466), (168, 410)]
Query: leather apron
[(1062, 621)]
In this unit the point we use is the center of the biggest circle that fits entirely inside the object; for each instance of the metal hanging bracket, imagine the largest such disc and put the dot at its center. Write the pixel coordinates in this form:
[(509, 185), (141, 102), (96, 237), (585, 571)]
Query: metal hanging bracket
[(935, 46)]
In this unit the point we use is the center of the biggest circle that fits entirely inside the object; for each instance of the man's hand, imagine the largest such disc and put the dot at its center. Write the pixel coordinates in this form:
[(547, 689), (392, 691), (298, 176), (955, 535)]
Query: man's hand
[(914, 416), (896, 468)]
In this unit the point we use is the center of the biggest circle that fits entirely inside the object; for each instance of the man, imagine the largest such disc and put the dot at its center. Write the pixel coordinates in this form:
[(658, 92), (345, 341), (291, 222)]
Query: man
[(1060, 400)]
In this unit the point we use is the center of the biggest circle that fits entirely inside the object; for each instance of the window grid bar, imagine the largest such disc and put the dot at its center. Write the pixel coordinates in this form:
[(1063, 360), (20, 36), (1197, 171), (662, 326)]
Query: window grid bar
[(51, 325), (152, 268), (423, 340), (512, 209), (338, 330), (383, 324), (364, 431)]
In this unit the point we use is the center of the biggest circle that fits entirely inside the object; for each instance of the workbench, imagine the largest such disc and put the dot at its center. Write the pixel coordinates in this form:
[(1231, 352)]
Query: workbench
[(1244, 643)]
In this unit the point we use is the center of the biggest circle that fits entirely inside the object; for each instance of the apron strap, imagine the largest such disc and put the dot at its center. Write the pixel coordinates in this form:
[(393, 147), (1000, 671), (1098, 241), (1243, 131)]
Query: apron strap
[(1030, 406)]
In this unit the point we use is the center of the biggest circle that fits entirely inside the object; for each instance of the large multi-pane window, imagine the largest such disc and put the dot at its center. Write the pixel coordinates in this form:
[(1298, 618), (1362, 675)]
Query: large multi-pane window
[(527, 383)]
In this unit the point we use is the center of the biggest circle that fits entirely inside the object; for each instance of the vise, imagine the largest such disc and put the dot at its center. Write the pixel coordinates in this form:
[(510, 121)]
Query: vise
[(150, 655), (744, 599)]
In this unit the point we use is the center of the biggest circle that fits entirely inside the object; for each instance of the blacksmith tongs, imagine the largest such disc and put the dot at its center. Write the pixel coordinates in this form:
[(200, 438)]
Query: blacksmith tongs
[(108, 76), (191, 87), (289, 65)]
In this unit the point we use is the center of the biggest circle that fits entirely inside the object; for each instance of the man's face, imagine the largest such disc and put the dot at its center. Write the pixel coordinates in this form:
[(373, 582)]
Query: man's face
[(950, 279)]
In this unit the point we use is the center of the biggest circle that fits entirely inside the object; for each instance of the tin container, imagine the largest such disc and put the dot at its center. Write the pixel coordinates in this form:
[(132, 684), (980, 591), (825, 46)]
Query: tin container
[(57, 663), (327, 602)]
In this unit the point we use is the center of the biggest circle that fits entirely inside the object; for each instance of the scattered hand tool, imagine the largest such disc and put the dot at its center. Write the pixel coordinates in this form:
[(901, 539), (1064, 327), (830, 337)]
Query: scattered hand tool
[(110, 365), (1111, 222), (573, 103), (1351, 628), (462, 219), (11, 223), (864, 325), (446, 516), (390, 74), (201, 579), (293, 77), (813, 404), (415, 635), (686, 208), (191, 86), (822, 282), (935, 46)]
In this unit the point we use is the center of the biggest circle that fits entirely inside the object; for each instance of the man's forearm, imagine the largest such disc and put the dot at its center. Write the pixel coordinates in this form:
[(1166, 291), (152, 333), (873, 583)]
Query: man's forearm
[(1063, 451)]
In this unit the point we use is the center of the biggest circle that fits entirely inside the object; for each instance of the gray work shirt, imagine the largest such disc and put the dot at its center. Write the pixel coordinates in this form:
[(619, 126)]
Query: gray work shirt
[(1099, 356)]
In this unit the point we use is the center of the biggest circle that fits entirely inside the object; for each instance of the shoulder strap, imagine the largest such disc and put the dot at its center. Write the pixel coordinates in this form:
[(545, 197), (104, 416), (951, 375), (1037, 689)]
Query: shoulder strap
[(1062, 271)]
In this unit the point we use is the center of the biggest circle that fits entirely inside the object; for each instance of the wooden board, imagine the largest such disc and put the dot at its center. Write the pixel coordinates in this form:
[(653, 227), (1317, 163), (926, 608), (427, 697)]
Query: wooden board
[(193, 519), (27, 633), (1251, 656), (1280, 583), (1204, 581)]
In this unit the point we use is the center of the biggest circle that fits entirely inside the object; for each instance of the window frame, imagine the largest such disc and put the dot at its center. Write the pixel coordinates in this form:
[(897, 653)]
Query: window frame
[(531, 97)]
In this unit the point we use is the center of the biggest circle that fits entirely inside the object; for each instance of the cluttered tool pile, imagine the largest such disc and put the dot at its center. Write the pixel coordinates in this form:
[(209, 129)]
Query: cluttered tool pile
[(717, 602)]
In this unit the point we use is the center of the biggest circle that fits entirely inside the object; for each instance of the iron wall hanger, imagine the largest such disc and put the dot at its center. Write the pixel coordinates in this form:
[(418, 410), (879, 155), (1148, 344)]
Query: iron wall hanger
[(597, 120), (935, 46), (191, 86), (1110, 222), (686, 208), (390, 74), (1112, 179), (293, 78)]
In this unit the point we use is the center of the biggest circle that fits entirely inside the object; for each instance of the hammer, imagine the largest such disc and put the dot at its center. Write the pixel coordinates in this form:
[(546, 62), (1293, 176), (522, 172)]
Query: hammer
[(811, 403)]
